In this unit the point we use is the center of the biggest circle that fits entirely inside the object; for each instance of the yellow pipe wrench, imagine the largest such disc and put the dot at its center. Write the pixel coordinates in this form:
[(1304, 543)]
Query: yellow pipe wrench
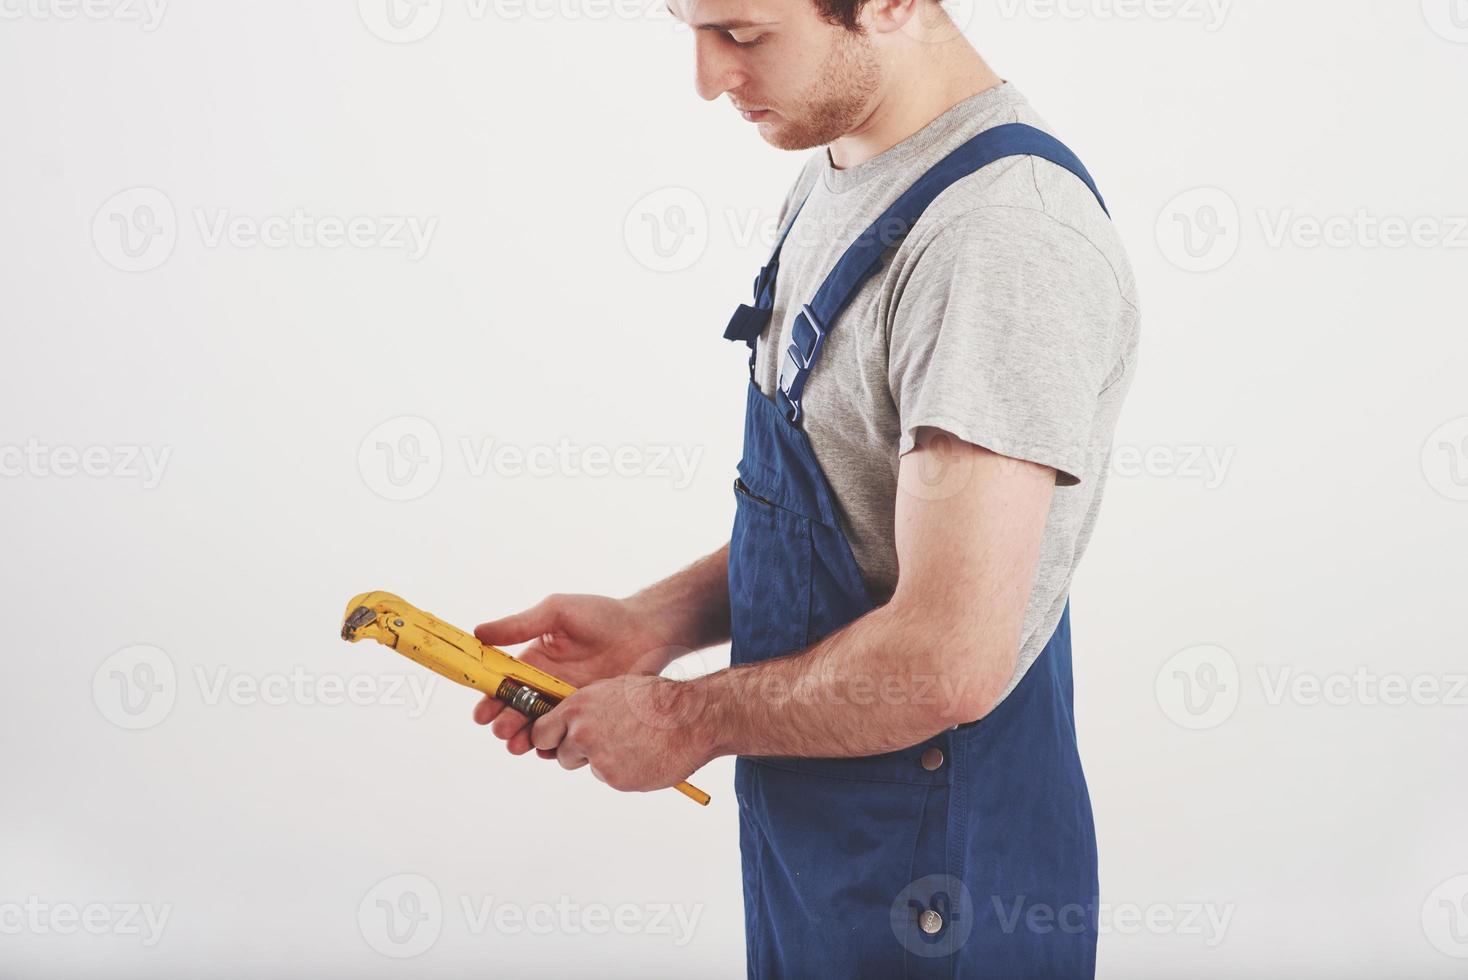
[(449, 651)]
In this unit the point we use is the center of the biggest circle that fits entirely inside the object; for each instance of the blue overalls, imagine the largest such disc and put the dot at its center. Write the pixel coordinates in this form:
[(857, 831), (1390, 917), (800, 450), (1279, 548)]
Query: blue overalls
[(972, 854)]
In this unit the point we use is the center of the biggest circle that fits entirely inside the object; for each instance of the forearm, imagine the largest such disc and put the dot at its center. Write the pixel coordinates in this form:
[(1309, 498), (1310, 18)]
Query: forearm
[(691, 605), (889, 680)]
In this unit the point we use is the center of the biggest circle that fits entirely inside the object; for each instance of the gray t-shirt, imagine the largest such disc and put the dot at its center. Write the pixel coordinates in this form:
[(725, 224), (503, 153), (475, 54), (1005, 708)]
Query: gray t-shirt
[(1008, 317)]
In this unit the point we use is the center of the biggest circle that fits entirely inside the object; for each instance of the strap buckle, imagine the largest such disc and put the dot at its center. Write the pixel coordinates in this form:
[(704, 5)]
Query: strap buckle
[(747, 323), (808, 336)]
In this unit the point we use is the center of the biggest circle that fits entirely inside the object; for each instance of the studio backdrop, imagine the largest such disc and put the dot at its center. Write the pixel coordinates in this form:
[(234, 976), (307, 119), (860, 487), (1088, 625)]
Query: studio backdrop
[(302, 300)]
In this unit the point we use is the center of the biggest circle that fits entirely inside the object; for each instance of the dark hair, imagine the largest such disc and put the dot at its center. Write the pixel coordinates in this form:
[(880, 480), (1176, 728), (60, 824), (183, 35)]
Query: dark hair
[(844, 13)]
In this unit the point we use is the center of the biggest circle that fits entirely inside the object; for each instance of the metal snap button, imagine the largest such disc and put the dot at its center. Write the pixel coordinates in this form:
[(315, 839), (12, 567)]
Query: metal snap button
[(933, 759), (930, 922)]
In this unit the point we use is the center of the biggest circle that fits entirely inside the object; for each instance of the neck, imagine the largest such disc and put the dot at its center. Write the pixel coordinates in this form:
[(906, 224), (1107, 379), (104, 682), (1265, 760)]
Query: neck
[(929, 81)]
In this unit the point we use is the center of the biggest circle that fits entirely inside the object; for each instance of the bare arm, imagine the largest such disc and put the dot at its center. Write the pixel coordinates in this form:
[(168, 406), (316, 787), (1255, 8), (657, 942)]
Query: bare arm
[(588, 638), (939, 654), (692, 605)]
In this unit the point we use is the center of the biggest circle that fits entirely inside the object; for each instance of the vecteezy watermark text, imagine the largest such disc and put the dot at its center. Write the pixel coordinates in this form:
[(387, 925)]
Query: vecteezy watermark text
[(36, 460), (40, 918), (137, 230), (1210, 13), (403, 915), (403, 458), (1200, 687), (148, 14), (137, 687)]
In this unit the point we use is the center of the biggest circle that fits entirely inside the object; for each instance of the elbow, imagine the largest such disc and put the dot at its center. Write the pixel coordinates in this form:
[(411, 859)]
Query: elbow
[(966, 662), (970, 677), (969, 694)]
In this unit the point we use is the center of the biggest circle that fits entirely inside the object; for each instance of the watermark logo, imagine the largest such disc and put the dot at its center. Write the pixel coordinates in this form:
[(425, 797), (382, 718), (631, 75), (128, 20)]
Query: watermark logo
[(1445, 917), (401, 21), (404, 458), (1199, 230), (1448, 19), (1208, 465), (1198, 688), (301, 687), (136, 229), (401, 916), (1445, 459), (408, 21), (404, 915), (136, 687), (942, 469), (667, 230), (933, 916), (673, 705), (940, 23), (401, 459), (676, 464)]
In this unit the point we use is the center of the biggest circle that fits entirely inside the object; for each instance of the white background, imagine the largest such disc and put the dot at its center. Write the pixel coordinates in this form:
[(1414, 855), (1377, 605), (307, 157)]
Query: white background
[(593, 225)]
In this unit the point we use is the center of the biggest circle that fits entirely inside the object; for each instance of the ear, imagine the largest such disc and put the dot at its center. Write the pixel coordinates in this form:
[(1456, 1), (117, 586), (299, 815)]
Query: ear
[(889, 16)]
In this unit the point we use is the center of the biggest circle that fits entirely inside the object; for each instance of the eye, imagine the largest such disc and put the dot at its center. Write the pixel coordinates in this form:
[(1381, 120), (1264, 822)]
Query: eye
[(752, 42)]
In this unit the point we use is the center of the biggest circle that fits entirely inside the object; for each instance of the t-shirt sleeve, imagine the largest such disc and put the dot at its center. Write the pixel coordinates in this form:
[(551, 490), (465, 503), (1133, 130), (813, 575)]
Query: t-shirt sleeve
[(1002, 333)]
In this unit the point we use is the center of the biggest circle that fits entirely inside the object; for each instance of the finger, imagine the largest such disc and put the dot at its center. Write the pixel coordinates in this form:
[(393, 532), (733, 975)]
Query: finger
[(487, 710), (519, 627), (569, 758), (549, 730), (509, 724), (520, 744), (544, 754)]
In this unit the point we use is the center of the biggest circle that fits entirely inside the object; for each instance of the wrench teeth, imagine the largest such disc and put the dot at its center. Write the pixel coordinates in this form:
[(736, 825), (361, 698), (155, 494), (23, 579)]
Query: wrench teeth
[(360, 617)]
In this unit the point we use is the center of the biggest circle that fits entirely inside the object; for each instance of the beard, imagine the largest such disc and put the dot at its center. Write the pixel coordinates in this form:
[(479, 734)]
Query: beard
[(836, 102)]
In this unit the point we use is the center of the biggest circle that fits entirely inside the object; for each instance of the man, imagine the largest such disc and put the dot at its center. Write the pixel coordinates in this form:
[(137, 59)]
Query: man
[(941, 346)]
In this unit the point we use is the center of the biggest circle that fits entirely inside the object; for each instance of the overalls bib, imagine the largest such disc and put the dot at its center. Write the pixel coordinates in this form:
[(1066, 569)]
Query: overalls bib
[(972, 854)]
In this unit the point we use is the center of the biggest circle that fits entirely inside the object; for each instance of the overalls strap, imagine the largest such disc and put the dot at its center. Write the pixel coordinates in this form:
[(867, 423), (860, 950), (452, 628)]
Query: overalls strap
[(748, 322), (862, 259)]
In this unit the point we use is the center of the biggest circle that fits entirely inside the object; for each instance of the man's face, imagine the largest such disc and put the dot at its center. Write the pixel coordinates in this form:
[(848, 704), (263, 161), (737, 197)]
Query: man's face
[(809, 82)]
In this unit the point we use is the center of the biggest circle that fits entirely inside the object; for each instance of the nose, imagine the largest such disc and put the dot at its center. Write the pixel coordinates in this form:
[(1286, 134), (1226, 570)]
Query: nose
[(715, 70)]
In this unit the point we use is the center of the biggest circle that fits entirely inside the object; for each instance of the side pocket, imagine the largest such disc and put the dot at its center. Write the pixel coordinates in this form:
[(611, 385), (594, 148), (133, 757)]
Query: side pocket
[(769, 578)]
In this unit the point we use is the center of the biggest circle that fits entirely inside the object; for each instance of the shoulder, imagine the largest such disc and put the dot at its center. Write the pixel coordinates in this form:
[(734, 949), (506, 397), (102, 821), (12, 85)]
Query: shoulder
[(1025, 210)]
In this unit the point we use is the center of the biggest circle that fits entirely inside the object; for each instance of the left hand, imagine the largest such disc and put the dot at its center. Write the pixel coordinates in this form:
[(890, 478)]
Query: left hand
[(638, 733)]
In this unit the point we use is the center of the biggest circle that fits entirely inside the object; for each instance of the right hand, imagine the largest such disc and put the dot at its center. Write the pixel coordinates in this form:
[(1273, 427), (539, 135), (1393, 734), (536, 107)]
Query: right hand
[(578, 638)]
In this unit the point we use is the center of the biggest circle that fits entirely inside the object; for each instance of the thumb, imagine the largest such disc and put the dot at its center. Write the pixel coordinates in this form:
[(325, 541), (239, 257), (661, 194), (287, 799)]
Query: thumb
[(517, 628)]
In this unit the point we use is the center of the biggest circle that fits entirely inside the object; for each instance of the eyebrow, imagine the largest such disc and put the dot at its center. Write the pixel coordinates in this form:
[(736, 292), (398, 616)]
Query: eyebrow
[(726, 25)]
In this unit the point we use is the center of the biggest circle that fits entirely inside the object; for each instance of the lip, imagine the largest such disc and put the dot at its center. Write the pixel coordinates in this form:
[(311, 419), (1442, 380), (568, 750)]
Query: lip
[(754, 115)]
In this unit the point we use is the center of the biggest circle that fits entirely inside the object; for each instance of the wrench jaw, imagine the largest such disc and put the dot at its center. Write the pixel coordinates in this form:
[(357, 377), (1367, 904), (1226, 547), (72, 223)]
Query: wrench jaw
[(394, 623), (368, 617)]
